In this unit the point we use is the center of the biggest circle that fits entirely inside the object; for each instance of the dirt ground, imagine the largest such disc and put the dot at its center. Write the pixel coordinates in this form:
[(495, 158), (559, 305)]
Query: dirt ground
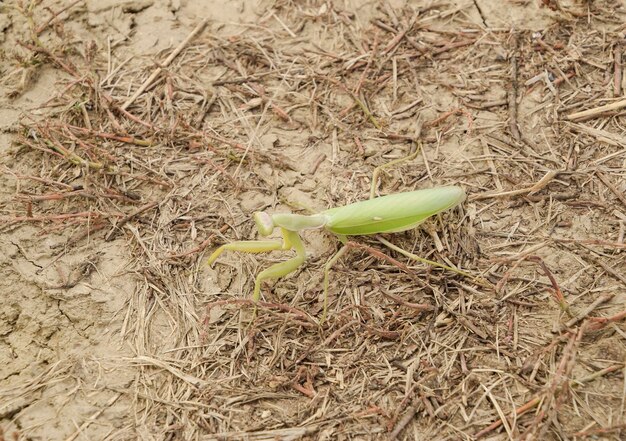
[(136, 136)]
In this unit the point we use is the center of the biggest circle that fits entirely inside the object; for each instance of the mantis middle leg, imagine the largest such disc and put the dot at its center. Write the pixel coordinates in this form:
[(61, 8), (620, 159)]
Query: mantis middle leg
[(327, 268)]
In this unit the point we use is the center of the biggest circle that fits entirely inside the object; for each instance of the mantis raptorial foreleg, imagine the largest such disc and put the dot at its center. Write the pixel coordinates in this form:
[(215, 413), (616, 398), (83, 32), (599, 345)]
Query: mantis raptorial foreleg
[(247, 246), (291, 240)]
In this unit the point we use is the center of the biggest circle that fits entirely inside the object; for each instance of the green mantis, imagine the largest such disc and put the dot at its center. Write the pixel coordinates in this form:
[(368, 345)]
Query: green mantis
[(386, 214)]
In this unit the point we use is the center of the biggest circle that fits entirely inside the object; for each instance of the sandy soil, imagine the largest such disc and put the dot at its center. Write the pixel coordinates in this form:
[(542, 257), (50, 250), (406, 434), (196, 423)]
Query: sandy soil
[(136, 136)]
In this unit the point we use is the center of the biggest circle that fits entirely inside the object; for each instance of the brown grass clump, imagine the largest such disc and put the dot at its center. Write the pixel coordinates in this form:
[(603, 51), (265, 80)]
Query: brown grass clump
[(161, 157)]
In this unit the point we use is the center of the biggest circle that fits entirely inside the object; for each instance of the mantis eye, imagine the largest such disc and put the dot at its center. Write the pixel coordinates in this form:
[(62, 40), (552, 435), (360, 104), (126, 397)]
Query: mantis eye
[(264, 223)]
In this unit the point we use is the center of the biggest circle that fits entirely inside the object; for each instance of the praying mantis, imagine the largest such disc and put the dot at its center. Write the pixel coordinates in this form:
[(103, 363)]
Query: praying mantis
[(392, 213)]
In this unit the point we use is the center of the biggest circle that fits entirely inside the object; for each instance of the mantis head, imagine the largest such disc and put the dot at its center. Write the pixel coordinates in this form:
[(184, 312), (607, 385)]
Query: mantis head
[(264, 223)]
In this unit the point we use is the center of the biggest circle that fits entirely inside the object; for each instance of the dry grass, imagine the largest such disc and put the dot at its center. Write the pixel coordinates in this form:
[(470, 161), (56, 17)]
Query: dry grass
[(294, 112)]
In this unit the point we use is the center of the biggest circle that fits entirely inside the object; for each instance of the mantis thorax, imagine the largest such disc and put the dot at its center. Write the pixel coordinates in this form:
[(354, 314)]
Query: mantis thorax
[(266, 222)]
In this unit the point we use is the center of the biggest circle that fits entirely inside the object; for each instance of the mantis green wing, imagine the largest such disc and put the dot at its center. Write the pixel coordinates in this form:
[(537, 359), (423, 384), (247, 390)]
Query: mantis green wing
[(392, 213)]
